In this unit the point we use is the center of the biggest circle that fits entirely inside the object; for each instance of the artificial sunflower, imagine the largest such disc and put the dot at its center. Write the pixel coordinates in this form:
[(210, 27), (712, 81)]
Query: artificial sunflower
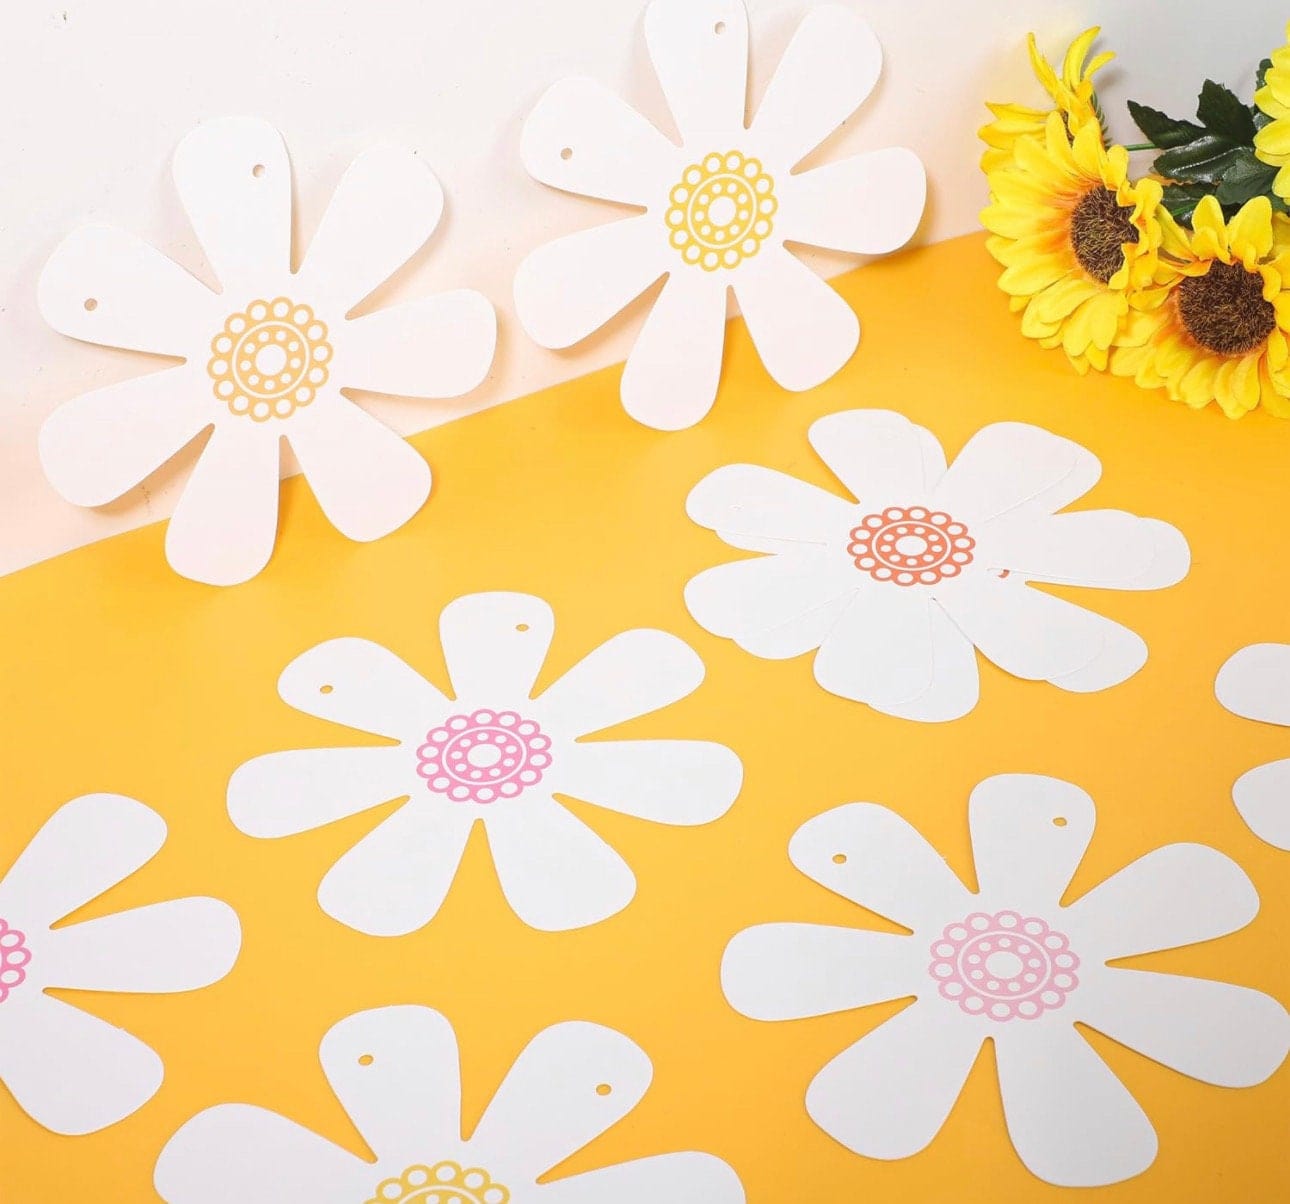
[(1072, 93), (1272, 142), (1077, 238), (1219, 333)]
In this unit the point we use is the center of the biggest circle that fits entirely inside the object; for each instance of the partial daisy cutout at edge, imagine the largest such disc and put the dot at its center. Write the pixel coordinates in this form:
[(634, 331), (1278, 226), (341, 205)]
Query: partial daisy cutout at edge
[(1012, 964), (1255, 684)]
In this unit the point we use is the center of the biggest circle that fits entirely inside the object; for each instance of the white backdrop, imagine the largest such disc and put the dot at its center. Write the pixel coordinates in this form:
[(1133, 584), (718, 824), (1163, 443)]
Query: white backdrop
[(96, 93)]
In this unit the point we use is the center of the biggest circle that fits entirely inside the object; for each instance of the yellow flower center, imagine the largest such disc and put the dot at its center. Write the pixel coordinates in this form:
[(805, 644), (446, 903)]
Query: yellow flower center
[(444, 1183), (721, 211), (270, 359), (1224, 310), (1099, 229)]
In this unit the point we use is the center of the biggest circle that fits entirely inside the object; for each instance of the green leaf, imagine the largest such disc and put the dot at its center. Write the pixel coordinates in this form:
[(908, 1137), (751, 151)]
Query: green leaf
[(1261, 76), (1181, 200), (1162, 130), (1204, 160), (1260, 117), (1221, 112), (1245, 178)]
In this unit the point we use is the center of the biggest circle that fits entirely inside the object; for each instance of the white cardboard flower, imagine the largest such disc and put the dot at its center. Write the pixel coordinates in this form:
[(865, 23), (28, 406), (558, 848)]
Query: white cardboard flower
[(719, 208), (68, 1070), (396, 1072), (266, 357), (896, 589), (1012, 964), (1255, 684), (492, 754)]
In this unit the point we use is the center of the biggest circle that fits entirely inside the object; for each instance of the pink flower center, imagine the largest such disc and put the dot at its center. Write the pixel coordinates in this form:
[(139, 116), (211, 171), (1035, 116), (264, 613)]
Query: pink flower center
[(911, 545), (14, 956), (484, 756), (1005, 966)]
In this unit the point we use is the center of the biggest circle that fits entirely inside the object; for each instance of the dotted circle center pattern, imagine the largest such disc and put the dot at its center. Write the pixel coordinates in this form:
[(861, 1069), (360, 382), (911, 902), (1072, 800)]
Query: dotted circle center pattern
[(443, 1183), (270, 359), (911, 545), (721, 211), (1005, 966), (14, 956), (484, 756)]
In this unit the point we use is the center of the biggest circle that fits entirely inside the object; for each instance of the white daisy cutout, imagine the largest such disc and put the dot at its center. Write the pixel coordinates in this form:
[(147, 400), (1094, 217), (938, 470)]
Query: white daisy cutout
[(267, 356), (1255, 684), (69, 1070), (396, 1072), (1012, 964), (717, 209), (899, 586), (491, 754)]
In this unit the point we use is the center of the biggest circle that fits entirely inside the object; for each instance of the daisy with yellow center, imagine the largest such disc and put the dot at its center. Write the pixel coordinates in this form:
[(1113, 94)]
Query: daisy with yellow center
[(1072, 94), (1272, 142), (1077, 238), (1220, 333)]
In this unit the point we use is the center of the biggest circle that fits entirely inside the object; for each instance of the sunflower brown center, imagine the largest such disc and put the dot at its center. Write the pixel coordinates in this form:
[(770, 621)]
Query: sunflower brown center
[(1099, 229), (1224, 310)]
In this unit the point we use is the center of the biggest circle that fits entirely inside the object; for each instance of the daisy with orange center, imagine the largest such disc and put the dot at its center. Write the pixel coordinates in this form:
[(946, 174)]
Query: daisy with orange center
[(1078, 239), (1219, 334)]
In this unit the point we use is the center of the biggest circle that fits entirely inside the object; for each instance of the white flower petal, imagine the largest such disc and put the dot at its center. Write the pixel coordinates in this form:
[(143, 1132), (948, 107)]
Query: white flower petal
[(1073, 1123), (582, 138), (870, 855), (1026, 632), (880, 651), (1180, 894), (96, 446), (1029, 833), (685, 1178), (282, 793), (829, 68), (1012, 466), (889, 1094), (671, 377), (790, 971), (556, 873), (236, 1152), (632, 674), (1255, 683), (1107, 549), (364, 686), (802, 328), (1213, 1031), (797, 635), (368, 480), (761, 509), (224, 525), (668, 781), (1262, 796), (572, 286), (868, 204), (494, 645), (1123, 653), (699, 49), (879, 455), (70, 1071), (177, 945), (437, 346), (386, 205), (956, 684), (234, 181), (396, 878), (86, 847), (396, 1071), (548, 1105), (744, 597), (111, 288)]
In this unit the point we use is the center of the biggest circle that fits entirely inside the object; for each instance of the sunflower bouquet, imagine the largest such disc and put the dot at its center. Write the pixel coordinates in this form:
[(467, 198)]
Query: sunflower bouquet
[(1179, 279)]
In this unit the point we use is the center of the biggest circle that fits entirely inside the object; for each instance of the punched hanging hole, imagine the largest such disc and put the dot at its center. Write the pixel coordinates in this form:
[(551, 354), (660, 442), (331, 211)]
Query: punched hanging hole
[(258, 170), (365, 1059), (1059, 821), (603, 1089), (839, 859), (521, 627), (325, 689), (91, 304), (719, 27), (567, 153)]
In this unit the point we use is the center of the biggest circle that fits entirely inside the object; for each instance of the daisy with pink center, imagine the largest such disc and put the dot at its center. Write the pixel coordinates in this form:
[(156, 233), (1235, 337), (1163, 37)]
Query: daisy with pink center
[(493, 753), (1012, 964)]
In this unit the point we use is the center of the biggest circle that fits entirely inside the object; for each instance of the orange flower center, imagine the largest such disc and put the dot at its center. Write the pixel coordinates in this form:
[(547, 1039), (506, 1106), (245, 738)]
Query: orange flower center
[(1224, 310), (1099, 229)]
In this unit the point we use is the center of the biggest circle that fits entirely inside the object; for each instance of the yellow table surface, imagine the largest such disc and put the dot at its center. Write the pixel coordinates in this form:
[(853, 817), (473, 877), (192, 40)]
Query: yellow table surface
[(117, 675)]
